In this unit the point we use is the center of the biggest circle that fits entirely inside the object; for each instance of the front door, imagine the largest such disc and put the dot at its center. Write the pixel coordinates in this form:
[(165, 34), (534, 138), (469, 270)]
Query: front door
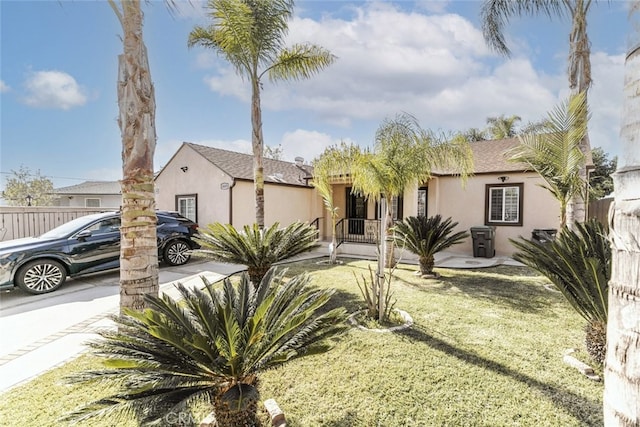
[(356, 212)]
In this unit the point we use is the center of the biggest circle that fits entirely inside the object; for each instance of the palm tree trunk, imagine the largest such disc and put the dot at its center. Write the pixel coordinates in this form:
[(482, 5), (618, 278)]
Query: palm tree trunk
[(257, 143), (622, 367), (136, 101)]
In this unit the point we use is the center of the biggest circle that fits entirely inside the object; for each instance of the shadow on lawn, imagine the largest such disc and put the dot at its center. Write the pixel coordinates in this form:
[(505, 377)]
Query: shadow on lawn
[(494, 284), (579, 407)]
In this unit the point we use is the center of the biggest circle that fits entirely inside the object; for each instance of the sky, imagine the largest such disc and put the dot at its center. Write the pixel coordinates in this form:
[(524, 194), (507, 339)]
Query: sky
[(58, 73)]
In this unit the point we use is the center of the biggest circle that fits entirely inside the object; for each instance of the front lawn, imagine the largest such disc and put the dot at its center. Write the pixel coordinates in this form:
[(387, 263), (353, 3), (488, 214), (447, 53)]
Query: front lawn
[(485, 349)]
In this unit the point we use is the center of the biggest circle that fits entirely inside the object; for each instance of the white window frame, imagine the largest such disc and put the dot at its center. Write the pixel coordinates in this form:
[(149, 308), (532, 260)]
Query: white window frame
[(183, 208), (510, 210), (87, 205)]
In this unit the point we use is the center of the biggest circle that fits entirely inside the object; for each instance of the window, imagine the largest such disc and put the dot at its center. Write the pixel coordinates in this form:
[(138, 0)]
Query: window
[(91, 203), (422, 201), (396, 208), (503, 204), (187, 206)]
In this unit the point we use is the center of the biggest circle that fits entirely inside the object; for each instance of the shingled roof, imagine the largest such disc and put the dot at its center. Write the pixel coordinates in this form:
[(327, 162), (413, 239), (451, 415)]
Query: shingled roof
[(240, 166), (91, 187)]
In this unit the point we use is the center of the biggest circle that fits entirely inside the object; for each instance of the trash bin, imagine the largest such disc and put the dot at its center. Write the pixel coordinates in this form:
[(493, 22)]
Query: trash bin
[(483, 238), (544, 235)]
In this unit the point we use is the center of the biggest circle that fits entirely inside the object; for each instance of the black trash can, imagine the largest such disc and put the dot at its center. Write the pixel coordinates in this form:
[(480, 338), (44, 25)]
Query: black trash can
[(544, 235), (483, 241)]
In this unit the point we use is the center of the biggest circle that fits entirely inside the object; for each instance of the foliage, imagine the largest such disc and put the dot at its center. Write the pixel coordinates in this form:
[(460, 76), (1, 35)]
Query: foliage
[(372, 300), (485, 349), (208, 347), (600, 180), (24, 188), (503, 127), (426, 237), (251, 35), (475, 134), (254, 247), (578, 263), (556, 155), (275, 153)]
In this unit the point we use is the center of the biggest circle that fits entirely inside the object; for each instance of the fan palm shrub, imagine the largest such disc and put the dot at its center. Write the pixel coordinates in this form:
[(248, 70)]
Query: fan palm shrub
[(209, 347), (254, 247), (426, 237), (578, 263)]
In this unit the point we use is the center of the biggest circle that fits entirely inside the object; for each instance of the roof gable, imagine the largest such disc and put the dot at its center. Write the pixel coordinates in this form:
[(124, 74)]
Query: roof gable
[(240, 166)]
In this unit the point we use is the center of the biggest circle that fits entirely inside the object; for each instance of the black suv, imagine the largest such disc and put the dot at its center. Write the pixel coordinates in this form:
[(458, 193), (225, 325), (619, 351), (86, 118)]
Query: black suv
[(85, 245)]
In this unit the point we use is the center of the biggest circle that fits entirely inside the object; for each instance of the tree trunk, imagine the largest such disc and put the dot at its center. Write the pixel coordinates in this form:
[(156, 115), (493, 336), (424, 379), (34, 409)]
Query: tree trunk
[(622, 367), (136, 102), (257, 143)]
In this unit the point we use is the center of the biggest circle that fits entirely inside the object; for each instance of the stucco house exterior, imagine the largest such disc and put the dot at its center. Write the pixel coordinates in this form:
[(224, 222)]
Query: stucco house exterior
[(213, 185), (90, 194)]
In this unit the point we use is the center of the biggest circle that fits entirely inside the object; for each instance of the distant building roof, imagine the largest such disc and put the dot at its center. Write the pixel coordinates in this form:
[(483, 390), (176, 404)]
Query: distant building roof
[(240, 166), (91, 187)]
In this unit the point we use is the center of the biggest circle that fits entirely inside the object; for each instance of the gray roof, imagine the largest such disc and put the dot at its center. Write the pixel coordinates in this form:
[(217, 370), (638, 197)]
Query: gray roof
[(91, 187), (240, 166)]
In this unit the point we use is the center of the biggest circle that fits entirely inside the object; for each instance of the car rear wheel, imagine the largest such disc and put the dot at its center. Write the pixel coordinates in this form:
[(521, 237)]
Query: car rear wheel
[(176, 253), (41, 276)]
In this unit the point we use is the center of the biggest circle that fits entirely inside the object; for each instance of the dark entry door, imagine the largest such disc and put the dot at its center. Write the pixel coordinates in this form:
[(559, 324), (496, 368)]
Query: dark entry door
[(356, 212)]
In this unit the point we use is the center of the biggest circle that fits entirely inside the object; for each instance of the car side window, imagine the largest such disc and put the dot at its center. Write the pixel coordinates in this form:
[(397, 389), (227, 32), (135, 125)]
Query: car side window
[(105, 226)]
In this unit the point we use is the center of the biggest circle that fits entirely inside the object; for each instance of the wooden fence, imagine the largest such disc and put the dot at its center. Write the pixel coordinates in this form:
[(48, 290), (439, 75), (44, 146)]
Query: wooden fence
[(18, 222)]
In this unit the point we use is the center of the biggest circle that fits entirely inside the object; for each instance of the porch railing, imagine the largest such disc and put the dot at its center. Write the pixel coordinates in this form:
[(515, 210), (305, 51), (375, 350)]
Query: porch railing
[(357, 230)]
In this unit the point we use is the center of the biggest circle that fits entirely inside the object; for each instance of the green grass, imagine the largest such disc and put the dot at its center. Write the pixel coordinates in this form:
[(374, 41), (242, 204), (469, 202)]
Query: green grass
[(485, 349)]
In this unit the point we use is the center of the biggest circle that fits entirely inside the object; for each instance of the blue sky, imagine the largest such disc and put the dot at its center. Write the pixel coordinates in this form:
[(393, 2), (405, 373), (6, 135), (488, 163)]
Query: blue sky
[(58, 74)]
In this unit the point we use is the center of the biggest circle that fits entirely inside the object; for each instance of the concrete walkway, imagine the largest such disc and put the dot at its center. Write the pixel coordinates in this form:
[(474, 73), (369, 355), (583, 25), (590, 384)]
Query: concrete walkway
[(38, 333)]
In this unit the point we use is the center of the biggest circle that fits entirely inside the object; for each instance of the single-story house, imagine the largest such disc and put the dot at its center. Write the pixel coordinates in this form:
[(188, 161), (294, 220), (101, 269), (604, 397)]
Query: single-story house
[(89, 194), (211, 185), (214, 185)]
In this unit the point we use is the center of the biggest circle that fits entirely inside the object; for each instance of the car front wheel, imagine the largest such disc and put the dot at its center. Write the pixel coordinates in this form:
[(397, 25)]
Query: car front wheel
[(41, 276), (176, 253)]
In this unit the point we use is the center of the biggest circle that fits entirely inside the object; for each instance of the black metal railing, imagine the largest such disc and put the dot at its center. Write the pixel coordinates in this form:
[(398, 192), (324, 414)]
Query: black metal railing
[(357, 230)]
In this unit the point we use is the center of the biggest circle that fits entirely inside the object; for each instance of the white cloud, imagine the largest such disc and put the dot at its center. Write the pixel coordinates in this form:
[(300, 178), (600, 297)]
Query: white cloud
[(4, 87), (304, 143), (53, 89)]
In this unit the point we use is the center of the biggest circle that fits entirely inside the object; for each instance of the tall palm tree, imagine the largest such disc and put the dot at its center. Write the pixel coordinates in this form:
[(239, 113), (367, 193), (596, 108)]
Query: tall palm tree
[(136, 102), (403, 154), (208, 348), (555, 154), (494, 15), (503, 127), (254, 247), (622, 369), (250, 35), (475, 134), (426, 237)]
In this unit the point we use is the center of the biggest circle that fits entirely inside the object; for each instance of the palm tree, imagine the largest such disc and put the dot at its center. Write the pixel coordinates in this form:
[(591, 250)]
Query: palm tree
[(333, 164), (403, 154), (208, 348), (250, 35), (254, 247), (556, 154), (426, 237), (502, 127), (474, 135), (136, 102), (494, 15), (578, 263), (622, 370)]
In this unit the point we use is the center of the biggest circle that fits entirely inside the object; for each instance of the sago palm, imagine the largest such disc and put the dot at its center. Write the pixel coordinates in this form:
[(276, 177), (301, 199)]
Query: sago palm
[(254, 247), (251, 35), (578, 263), (207, 348), (426, 237)]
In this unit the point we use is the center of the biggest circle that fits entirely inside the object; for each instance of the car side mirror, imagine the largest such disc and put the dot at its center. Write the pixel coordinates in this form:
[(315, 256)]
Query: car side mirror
[(84, 234)]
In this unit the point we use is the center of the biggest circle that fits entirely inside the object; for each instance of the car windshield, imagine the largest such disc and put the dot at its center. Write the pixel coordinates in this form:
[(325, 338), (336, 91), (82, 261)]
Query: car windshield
[(69, 227)]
